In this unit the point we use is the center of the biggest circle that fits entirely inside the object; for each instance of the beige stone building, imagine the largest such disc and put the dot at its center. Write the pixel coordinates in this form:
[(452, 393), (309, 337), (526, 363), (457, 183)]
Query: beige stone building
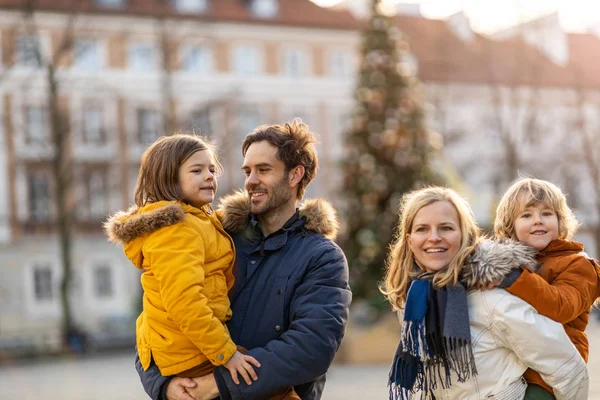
[(128, 72)]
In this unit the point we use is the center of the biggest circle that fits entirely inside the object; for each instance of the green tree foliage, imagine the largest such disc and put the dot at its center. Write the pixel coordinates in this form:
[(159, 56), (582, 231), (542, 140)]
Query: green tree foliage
[(387, 151)]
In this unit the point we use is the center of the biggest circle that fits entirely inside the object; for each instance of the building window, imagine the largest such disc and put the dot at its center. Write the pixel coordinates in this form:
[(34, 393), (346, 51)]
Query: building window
[(42, 277), (148, 124), (197, 59), (265, 8), (28, 51), (103, 283), (110, 3), (93, 131), (200, 122), (87, 55), (295, 62), (247, 61), (248, 119), (340, 64), (36, 125), (39, 196), (190, 6), (143, 57), (95, 187)]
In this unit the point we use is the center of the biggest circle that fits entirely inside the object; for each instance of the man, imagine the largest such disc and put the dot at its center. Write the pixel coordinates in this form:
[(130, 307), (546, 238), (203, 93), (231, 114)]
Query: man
[(291, 295)]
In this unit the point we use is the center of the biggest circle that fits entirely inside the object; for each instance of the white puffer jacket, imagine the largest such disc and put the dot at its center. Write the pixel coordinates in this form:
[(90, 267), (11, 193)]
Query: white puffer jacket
[(509, 336)]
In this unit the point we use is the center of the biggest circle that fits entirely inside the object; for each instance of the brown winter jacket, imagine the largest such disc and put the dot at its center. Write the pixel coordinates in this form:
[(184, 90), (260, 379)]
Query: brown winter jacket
[(563, 289)]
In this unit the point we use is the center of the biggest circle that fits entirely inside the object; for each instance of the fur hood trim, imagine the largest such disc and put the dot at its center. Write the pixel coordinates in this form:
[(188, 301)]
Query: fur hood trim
[(493, 260), (125, 226), (319, 214)]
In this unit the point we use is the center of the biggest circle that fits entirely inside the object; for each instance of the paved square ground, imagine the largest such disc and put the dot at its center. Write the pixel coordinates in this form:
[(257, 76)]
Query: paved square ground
[(112, 377)]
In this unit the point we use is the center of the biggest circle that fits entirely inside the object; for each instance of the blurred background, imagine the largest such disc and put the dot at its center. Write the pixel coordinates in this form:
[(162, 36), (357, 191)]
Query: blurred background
[(468, 94)]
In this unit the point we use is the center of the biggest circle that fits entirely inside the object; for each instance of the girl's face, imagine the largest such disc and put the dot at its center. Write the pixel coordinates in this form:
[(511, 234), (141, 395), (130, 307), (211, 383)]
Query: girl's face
[(197, 179), (537, 225), (435, 236)]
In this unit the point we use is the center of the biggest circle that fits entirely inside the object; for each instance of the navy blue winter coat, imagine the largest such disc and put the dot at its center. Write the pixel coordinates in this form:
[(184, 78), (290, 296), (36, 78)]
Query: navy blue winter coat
[(290, 302)]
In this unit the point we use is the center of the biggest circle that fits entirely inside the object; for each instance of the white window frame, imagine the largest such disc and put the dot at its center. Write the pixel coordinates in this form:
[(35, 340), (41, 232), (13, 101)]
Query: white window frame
[(96, 198), (86, 129), (265, 8), (42, 307), (296, 61), (241, 65), (206, 64), (190, 6), (41, 134), (110, 3), (341, 63), (140, 135), (24, 60), (39, 210), (149, 64), (83, 61), (98, 294)]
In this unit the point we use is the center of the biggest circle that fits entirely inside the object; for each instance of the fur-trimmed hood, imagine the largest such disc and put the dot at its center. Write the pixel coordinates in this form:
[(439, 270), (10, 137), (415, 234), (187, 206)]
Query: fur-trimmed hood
[(125, 226), (319, 214), (493, 260)]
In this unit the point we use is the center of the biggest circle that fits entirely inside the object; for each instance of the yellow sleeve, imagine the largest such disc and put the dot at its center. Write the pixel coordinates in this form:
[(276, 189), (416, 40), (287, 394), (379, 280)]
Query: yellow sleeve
[(176, 255)]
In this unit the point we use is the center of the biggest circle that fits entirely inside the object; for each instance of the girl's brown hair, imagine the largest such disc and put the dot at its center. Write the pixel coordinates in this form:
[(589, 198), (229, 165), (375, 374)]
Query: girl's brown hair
[(158, 178), (400, 265), (527, 192)]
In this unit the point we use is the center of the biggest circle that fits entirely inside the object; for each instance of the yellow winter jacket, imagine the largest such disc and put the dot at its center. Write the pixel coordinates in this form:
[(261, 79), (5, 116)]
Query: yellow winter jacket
[(187, 260)]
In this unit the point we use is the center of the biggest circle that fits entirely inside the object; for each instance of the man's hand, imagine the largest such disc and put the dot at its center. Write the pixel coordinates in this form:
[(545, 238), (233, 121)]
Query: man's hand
[(240, 363), (206, 388), (177, 389)]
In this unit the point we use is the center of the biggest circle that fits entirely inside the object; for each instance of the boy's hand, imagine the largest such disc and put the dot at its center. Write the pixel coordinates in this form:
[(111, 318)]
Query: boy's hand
[(241, 363)]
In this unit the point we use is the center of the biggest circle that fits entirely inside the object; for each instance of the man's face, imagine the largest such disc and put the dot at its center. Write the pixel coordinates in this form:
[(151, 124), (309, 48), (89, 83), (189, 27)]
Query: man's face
[(267, 181)]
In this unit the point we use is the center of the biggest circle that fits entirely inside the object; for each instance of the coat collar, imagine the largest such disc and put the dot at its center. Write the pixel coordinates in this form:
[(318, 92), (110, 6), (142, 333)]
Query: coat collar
[(493, 260), (126, 226), (316, 215), (558, 246)]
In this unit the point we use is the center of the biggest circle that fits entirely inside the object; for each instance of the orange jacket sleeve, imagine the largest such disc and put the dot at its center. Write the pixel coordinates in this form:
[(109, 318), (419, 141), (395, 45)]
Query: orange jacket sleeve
[(570, 295)]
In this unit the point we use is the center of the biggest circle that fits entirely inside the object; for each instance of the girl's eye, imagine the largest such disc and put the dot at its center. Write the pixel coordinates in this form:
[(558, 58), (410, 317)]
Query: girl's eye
[(212, 170), (196, 171), (548, 214), (525, 215)]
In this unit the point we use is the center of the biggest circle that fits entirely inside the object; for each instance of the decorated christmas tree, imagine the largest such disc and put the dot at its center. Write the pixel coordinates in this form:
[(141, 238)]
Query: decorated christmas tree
[(387, 152)]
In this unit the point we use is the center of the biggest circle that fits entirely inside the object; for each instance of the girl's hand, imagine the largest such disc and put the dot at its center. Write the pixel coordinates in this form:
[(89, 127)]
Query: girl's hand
[(241, 363)]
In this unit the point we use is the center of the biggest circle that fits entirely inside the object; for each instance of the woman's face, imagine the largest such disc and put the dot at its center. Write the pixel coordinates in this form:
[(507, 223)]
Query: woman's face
[(435, 236)]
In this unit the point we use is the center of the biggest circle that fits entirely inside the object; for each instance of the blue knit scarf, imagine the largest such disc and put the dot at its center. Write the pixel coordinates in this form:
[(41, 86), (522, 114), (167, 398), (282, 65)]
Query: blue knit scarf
[(434, 342)]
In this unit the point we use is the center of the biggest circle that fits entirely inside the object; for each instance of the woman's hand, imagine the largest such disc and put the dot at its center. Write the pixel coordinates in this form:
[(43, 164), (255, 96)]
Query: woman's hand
[(241, 363)]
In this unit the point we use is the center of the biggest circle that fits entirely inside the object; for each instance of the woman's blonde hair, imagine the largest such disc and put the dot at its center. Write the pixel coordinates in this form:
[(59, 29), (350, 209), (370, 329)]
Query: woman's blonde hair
[(400, 265), (527, 192), (158, 178)]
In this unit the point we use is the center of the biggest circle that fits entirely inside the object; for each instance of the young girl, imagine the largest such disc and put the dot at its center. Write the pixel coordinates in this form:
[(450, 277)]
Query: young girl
[(173, 234), (567, 284)]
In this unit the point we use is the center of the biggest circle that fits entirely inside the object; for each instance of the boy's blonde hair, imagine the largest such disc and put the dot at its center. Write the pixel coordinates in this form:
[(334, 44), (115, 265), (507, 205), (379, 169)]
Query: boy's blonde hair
[(400, 265), (527, 192)]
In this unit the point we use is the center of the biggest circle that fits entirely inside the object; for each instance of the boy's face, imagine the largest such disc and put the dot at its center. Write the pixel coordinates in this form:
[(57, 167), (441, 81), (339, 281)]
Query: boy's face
[(537, 225)]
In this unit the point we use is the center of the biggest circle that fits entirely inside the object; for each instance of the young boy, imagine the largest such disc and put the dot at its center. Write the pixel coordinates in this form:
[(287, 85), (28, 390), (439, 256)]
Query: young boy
[(567, 283)]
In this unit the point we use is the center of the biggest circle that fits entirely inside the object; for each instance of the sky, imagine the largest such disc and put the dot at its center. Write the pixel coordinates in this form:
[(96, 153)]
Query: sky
[(488, 16)]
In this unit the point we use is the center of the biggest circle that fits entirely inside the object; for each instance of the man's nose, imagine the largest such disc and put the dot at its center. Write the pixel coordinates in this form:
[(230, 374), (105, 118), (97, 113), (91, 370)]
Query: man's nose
[(252, 179)]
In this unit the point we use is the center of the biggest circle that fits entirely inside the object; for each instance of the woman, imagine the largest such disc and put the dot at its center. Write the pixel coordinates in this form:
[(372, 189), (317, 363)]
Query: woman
[(457, 342)]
